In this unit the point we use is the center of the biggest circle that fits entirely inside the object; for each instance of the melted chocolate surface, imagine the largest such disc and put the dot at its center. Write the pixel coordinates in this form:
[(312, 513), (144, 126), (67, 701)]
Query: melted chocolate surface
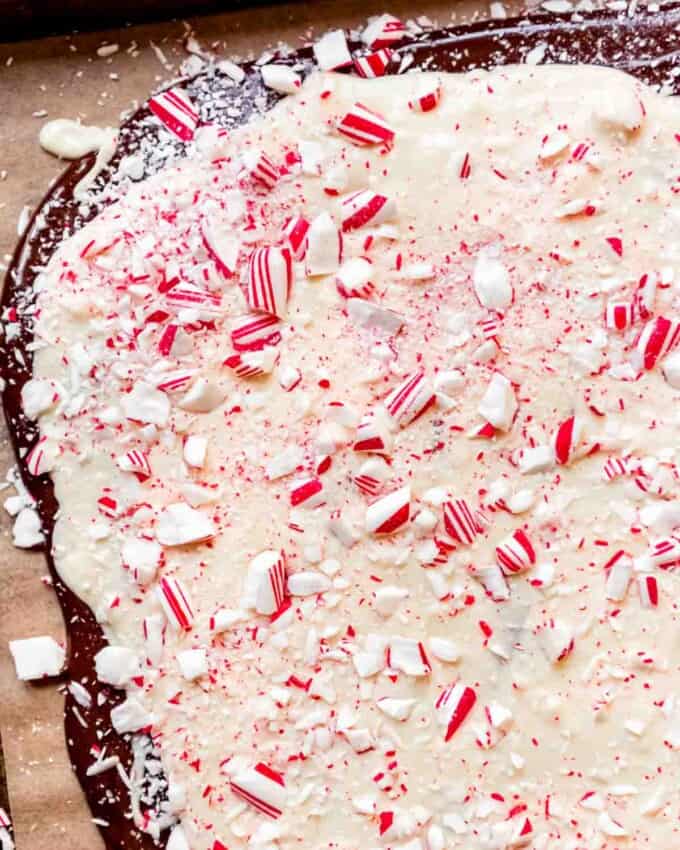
[(643, 43)]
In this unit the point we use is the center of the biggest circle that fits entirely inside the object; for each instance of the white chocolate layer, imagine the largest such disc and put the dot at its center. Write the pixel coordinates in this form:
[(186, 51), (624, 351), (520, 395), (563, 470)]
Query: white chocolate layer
[(496, 204)]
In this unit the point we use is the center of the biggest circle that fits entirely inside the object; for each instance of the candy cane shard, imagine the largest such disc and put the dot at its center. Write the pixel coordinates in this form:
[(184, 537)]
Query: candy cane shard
[(221, 244), (515, 554), (37, 657), (187, 295), (648, 590), (665, 553), (254, 331), (371, 476), (261, 168), (390, 513), (179, 524), (566, 440), (153, 629), (42, 457), (491, 282), (270, 277), (353, 279), (659, 336), (397, 709), (252, 364), (367, 314), (281, 78), (363, 126), (364, 207), (460, 522), (331, 51), (619, 315), (408, 656), (294, 235), (383, 31), (135, 461), (619, 573), (175, 603), (615, 467), (324, 246), (645, 295), (427, 99), (498, 405), (265, 585), (374, 433), (374, 64), (307, 493), (494, 582), (262, 788), (176, 111), (410, 399), (558, 641), (194, 450), (452, 707)]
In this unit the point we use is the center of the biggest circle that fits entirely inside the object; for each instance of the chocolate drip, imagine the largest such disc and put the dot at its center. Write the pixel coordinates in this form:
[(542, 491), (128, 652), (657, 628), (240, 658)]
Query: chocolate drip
[(642, 44)]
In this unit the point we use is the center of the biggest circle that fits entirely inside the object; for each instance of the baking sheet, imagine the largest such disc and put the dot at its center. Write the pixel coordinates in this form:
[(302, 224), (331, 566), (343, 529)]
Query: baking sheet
[(64, 77)]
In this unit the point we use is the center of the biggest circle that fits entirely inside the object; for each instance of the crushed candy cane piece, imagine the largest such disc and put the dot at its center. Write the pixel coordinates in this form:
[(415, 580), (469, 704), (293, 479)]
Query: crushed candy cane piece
[(176, 111), (37, 657)]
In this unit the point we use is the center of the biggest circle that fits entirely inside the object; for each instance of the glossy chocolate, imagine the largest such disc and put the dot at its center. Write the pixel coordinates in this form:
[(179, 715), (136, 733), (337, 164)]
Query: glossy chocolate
[(642, 43)]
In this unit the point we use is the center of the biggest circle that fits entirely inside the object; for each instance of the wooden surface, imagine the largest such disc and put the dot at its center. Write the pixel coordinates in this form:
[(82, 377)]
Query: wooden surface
[(64, 77)]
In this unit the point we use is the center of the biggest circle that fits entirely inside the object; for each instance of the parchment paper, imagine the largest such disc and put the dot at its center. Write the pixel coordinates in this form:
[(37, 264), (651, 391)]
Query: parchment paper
[(64, 77)]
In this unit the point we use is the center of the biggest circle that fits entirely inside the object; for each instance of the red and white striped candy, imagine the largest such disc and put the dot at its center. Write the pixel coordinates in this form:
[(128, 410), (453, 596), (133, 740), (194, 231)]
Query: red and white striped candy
[(615, 467), (331, 51), (175, 603), (566, 439), (515, 554), (108, 506), (366, 207), (453, 705), (362, 126), (294, 235), (252, 364), (618, 315), (648, 590), (371, 476), (665, 553), (174, 341), (270, 277), (135, 461), (645, 295), (410, 399), (373, 435), (460, 522), (262, 788), (324, 246), (307, 493), (353, 279), (266, 581), (261, 168), (493, 581), (659, 336), (187, 295), (383, 31), (619, 572), (390, 513), (408, 656), (176, 111), (490, 327), (40, 460), (254, 331), (221, 244), (175, 381), (427, 100), (373, 64)]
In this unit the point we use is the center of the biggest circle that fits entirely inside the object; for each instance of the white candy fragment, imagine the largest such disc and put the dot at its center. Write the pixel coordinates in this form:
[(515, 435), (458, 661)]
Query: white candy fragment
[(27, 529), (281, 78), (324, 246), (492, 282), (116, 665), (69, 139), (331, 51), (397, 709), (308, 584), (179, 524), (369, 315), (143, 558), (192, 663), (671, 369), (536, 459), (408, 656), (37, 396), (202, 397), (444, 650), (194, 451), (177, 839), (130, 716), (388, 599), (146, 404), (37, 657), (499, 404)]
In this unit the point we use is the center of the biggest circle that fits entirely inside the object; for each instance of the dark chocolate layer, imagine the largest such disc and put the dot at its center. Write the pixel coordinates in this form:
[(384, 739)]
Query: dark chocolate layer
[(642, 43)]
